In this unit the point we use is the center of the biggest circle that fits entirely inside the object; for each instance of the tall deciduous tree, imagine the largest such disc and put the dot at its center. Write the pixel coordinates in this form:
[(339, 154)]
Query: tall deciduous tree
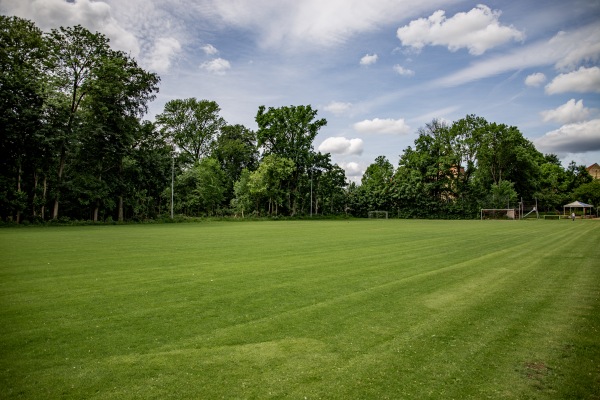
[(191, 126), (76, 54), (376, 184), (200, 188), (242, 201), (589, 193), (505, 155), (426, 182), (551, 193), (576, 175), (289, 132), (268, 181), (115, 101), (331, 191), (23, 52), (235, 150), (148, 170)]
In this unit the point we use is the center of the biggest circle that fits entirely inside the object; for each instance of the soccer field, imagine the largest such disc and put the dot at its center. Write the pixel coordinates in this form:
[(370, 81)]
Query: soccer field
[(362, 309)]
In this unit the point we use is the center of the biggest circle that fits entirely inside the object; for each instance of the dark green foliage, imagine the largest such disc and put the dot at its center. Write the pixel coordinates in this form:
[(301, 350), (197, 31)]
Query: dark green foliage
[(23, 53), (235, 149), (589, 193), (289, 132), (200, 189), (327, 188), (191, 126), (70, 109), (454, 170)]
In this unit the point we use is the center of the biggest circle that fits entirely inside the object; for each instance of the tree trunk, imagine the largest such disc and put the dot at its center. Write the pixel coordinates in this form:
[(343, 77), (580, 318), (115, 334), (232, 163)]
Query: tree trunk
[(61, 168), (120, 218), (35, 185), (96, 210), (97, 207), (19, 191), (43, 210), (55, 209)]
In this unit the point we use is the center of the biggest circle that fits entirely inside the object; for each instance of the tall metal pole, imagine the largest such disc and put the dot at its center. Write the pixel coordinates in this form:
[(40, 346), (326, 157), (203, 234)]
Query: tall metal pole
[(172, 180), (311, 199)]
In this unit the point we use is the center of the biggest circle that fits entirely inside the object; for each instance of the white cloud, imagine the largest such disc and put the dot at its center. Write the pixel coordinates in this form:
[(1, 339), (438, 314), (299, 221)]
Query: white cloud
[(575, 47), (438, 114), (535, 80), (160, 57), (569, 112), (386, 126), (572, 138), (564, 50), (400, 70), (581, 81), (341, 145), (217, 66), (292, 24), (209, 49), (352, 169), (477, 30), (97, 16), (337, 107), (369, 59)]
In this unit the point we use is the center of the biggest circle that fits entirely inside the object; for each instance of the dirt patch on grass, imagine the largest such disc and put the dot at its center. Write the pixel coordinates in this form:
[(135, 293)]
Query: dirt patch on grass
[(536, 370), (537, 373)]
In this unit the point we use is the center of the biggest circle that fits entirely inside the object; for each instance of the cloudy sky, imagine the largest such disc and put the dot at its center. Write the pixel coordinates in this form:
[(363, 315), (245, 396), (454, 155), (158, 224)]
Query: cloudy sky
[(377, 70)]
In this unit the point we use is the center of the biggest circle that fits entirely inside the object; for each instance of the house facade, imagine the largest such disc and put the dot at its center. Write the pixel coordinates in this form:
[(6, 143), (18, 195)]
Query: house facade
[(594, 170)]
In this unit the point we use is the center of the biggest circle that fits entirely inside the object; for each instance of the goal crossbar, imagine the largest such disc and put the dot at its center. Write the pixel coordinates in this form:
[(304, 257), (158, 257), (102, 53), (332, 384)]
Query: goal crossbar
[(552, 216), (509, 213), (378, 214)]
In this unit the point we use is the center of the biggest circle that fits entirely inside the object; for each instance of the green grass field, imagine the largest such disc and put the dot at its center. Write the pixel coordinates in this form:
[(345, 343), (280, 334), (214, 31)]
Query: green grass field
[(362, 309)]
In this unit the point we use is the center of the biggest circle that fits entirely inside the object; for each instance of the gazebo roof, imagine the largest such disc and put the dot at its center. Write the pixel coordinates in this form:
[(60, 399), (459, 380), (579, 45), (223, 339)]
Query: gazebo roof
[(578, 204)]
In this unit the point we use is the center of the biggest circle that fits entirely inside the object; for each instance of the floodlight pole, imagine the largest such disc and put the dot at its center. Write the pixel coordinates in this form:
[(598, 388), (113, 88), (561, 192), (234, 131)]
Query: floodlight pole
[(172, 180), (312, 167), (311, 190)]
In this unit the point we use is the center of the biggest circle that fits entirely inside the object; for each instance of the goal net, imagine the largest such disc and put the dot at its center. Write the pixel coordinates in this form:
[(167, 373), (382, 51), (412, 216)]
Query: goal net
[(378, 214), (499, 213)]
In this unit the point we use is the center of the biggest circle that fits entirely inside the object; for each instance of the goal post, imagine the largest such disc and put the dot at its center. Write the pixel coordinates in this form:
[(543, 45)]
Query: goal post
[(378, 214), (553, 216), (499, 213), (528, 209)]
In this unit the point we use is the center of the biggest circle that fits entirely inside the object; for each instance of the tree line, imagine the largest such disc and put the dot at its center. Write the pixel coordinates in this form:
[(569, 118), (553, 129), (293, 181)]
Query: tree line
[(74, 146), (456, 169)]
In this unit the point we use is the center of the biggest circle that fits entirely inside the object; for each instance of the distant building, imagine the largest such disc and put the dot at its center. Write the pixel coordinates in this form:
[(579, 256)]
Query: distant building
[(594, 170)]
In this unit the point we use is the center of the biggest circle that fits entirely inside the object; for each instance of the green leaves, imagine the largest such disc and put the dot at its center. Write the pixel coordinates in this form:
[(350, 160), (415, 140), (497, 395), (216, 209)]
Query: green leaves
[(191, 126), (267, 182), (200, 188), (289, 132), (70, 107)]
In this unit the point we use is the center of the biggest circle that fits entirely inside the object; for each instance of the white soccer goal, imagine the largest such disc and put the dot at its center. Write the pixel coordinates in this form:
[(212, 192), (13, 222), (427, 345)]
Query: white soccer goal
[(378, 214), (551, 216), (499, 213)]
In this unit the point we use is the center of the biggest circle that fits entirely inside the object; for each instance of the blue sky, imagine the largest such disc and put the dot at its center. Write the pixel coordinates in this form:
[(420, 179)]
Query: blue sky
[(377, 70)]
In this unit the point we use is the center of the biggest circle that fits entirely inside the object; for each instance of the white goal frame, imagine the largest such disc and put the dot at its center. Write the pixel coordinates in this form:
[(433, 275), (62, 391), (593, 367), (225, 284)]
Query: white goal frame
[(378, 214), (509, 213), (553, 217)]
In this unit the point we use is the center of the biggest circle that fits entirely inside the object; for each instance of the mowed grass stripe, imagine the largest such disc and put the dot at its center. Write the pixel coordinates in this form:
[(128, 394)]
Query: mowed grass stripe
[(377, 309), (497, 318)]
